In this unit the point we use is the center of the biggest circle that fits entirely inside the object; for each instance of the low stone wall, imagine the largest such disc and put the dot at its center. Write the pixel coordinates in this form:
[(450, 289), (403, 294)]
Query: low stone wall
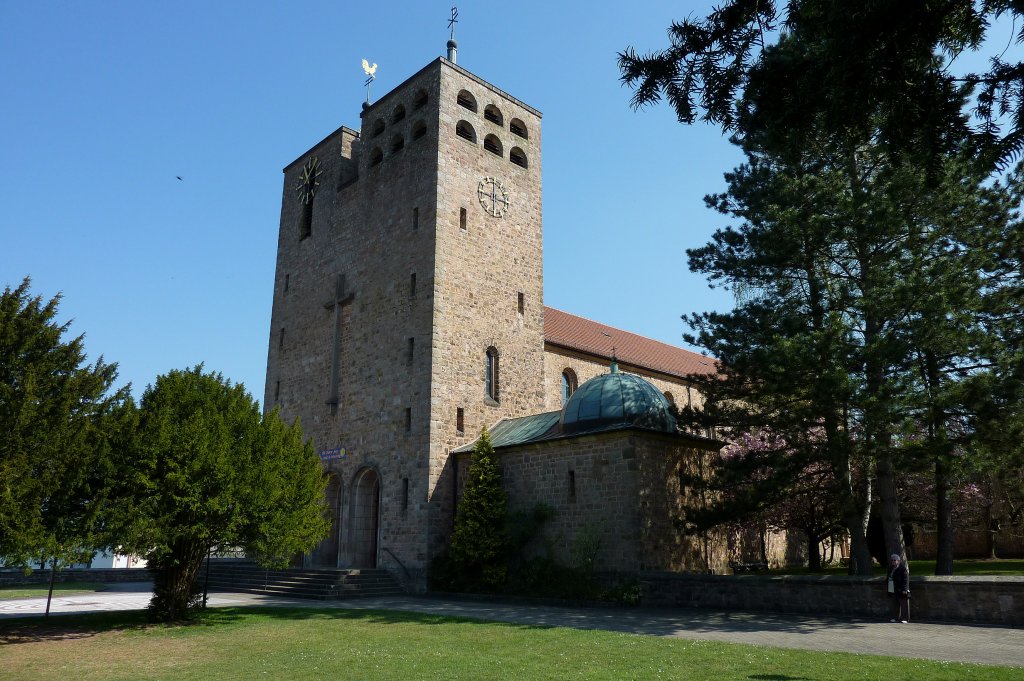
[(14, 577), (991, 600)]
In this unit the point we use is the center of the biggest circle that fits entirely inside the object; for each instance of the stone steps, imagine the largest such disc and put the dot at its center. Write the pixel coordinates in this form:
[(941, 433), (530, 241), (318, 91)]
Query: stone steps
[(322, 584)]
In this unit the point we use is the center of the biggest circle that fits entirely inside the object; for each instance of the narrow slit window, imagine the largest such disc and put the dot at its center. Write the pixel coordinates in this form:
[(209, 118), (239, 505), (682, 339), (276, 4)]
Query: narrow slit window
[(521, 303), (408, 419), (280, 340), (410, 351), (460, 420), (463, 218), (491, 374), (572, 486), (306, 220), (415, 218), (412, 285), (277, 390), (405, 494), (286, 281)]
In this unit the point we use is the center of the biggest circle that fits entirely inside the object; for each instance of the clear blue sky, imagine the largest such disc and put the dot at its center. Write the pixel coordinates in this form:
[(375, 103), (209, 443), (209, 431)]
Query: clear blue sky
[(105, 103)]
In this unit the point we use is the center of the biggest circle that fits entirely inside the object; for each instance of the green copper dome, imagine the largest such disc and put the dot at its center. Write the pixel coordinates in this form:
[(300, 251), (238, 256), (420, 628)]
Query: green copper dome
[(616, 400)]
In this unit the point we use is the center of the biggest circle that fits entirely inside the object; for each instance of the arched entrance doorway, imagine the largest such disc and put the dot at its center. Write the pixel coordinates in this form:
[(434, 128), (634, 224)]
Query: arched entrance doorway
[(326, 554), (365, 518)]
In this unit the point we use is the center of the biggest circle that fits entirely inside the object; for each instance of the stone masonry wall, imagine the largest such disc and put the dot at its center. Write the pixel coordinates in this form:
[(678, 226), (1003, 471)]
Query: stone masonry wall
[(623, 488), (377, 231), (993, 600), (480, 270), (16, 577), (428, 298)]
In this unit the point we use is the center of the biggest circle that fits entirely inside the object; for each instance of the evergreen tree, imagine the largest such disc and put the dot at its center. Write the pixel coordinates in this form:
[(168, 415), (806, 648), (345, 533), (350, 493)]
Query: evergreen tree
[(58, 419), (870, 68), (208, 472), (478, 543), (859, 315)]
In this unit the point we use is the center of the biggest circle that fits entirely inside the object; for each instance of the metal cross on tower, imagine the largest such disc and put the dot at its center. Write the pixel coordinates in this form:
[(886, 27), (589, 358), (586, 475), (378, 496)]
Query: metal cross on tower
[(451, 23)]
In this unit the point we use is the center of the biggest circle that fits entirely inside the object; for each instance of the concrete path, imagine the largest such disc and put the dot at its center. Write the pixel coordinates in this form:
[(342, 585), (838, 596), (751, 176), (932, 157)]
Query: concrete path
[(955, 642)]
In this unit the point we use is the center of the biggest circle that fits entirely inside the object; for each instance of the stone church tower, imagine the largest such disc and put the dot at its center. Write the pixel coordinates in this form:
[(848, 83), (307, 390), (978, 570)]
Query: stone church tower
[(408, 305)]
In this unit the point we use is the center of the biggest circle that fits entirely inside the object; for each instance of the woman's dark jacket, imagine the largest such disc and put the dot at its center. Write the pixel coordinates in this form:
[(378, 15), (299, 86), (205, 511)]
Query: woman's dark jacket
[(900, 579)]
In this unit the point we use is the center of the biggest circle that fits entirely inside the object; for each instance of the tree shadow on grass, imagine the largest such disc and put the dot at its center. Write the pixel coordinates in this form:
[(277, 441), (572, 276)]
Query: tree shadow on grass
[(82, 626), (59, 627)]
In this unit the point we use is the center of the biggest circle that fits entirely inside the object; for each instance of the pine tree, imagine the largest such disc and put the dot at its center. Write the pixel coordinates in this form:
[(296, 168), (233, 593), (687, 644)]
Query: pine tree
[(478, 543)]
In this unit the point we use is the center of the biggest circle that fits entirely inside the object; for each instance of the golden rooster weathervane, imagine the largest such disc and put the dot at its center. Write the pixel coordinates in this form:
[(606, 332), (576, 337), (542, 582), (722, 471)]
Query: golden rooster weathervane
[(370, 72)]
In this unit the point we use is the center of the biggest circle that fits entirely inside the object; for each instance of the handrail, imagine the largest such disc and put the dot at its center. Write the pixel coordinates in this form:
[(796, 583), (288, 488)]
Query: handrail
[(400, 563)]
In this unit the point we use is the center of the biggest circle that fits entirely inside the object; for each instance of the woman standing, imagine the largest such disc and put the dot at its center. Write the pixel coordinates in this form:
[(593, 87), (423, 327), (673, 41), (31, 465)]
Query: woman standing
[(898, 586)]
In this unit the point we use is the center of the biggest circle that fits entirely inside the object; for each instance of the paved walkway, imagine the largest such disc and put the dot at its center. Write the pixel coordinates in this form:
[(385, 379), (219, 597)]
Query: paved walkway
[(954, 642)]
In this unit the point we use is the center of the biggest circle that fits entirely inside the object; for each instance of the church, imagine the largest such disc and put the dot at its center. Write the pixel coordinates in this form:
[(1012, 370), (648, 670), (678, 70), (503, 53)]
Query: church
[(408, 314)]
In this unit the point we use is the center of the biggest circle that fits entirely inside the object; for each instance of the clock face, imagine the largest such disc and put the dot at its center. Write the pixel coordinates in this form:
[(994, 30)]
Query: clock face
[(493, 197), (309, 180)]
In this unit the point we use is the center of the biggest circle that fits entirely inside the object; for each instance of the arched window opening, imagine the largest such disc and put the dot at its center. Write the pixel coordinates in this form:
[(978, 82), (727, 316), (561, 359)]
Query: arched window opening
[(376, 156), (378, 127), (493, 145), (420, 100), (399, 114), (518, 128), (418, 130), (493, 114), (517, 156), (465, 131), (569, 383), (670, 398), (397, 143), (491, 374), (466, 100)]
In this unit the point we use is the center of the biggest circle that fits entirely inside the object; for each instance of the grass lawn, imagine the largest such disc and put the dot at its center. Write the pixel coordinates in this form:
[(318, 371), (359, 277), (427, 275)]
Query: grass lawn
[(59, 589), (299, 643), (963, 568)]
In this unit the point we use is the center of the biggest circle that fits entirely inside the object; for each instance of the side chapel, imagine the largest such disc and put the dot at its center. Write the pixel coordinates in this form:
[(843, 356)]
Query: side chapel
[(408, 313)]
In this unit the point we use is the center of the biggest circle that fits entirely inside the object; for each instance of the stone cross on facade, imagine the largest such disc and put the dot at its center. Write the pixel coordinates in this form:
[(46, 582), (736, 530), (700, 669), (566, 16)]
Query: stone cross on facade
[(340, 299)]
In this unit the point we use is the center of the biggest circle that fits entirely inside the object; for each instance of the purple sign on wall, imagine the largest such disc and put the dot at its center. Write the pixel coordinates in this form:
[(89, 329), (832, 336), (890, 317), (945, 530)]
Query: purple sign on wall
[(332, 454)]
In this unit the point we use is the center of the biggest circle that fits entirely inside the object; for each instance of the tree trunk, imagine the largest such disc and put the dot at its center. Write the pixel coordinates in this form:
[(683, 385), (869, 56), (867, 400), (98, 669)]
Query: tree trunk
[(813, 554), (891, 526), (175, 591), (855, 518), (944, 518), (49, 594)]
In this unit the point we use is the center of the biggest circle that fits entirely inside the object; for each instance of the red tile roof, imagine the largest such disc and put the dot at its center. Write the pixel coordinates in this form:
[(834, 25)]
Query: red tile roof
[(576, 333)]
